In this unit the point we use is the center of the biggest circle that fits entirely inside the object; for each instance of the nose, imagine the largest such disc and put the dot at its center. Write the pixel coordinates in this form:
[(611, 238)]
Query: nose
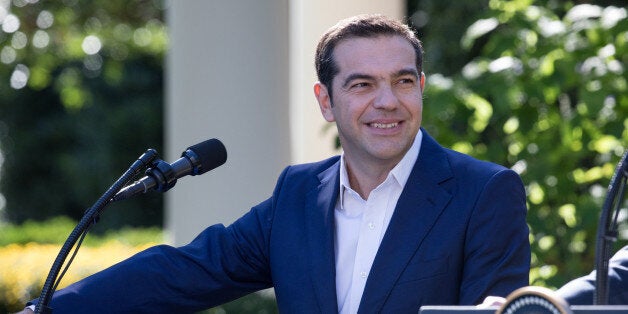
[(385, 99)]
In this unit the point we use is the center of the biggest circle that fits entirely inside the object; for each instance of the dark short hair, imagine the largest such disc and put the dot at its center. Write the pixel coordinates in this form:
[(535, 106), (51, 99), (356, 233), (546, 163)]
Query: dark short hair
[(365, 26)]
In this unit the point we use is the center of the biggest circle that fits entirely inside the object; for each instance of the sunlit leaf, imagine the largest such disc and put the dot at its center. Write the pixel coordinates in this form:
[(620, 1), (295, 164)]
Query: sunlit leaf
[(568, 213)]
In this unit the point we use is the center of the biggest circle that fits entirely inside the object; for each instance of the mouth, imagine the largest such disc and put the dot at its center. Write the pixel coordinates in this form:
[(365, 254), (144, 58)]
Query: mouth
[(384, 125)]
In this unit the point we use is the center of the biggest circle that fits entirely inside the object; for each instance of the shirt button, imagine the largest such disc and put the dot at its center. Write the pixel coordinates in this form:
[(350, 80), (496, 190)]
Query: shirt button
[(371, 225), (363, 274)]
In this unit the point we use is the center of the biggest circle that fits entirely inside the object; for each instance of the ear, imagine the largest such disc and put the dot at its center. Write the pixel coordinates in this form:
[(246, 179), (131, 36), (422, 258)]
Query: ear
[(422, 82), (324, 101)]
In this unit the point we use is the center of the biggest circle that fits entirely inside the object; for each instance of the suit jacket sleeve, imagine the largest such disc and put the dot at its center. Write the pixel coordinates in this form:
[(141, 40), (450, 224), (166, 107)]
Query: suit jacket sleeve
[(497, 252), (220, 265), (580, 291)]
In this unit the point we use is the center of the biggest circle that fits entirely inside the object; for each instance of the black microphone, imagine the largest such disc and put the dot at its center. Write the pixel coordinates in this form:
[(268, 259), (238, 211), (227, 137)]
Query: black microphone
[(195, 160)]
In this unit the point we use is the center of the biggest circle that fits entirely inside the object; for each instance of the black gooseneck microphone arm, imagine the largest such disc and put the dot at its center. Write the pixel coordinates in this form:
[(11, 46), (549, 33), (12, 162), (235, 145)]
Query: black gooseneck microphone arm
[(88, 219), (607, 230)]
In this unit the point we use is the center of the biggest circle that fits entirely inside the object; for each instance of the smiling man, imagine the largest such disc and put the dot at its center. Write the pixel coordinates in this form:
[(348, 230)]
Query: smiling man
[(394, 223)]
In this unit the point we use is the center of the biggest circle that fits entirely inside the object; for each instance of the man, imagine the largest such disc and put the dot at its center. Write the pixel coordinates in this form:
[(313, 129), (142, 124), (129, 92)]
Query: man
[(581, 291), (394, 223)]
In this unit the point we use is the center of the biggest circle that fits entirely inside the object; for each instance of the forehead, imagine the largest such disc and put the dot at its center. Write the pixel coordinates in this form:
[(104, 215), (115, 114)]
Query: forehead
[(376, 55)]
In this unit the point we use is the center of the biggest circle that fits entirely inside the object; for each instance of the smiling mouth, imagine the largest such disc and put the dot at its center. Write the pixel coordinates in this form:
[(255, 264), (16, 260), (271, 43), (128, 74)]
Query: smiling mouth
[(384, 125)]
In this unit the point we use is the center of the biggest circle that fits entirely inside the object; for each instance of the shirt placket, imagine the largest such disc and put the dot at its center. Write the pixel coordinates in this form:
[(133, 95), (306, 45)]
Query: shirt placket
[(368, 243)]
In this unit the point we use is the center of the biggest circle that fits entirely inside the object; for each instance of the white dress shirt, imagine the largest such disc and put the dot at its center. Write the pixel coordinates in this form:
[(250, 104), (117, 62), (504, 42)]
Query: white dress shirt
[(360, 227)]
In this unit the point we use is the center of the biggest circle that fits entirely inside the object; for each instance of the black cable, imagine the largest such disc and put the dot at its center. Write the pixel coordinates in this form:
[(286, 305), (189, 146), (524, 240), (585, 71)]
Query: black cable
[(88, 219), (67, 265)]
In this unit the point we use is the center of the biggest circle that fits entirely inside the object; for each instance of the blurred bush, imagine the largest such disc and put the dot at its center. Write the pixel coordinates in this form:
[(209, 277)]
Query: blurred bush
[(56, 230), (28, 250), (24, 267)]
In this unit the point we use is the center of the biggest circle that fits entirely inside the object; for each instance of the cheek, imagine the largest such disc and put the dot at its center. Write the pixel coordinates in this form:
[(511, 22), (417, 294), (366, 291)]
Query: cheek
[(348, 114), (414, 104), (419, 113)]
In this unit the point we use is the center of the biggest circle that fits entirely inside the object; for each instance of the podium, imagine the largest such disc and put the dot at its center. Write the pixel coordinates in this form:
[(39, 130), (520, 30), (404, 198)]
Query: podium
[(528, 300), (576, 309)]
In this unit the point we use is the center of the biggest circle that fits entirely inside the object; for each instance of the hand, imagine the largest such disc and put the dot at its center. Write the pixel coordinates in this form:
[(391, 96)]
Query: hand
[(491, 301)]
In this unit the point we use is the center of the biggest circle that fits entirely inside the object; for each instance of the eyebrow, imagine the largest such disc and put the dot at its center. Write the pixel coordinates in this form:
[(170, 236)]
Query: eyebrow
[(356, 76), (407, 71), (363, 76)]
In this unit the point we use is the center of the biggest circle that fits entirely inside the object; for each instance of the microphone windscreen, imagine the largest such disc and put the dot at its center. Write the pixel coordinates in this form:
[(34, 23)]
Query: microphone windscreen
[(211, 154)]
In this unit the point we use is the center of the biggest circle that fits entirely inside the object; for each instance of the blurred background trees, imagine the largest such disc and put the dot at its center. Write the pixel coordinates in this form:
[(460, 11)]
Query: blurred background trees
[(81, 93), (539, 86)]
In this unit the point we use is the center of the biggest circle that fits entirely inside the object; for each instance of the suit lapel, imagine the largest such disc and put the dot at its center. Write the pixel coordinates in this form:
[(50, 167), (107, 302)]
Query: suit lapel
[(320, 204), (418, 208)]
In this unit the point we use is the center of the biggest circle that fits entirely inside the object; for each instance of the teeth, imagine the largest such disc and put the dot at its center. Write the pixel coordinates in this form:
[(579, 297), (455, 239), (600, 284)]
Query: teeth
[(384, 125)]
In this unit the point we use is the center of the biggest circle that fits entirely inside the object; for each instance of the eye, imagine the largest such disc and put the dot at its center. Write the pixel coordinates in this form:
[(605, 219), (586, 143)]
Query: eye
[(406, 83), (360, 85)]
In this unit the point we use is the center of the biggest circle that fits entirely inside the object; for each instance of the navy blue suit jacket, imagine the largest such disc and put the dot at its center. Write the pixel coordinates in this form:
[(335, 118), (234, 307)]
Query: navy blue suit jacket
[(581, 291), (458, 234)]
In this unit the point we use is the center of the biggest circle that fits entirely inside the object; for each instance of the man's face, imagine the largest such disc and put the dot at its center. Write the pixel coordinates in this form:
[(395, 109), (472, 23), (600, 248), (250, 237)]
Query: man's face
[(377, 98)]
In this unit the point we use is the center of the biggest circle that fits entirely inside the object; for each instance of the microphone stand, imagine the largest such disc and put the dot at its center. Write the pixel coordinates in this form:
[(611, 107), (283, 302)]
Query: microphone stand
[(607, 230), (90, 217)]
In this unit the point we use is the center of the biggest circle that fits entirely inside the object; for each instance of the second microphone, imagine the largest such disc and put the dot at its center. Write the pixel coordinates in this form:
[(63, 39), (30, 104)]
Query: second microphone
[(161, 176)]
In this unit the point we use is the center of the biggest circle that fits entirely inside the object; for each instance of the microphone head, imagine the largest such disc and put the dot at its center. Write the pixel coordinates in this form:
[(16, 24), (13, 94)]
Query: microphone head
[(210, 153)]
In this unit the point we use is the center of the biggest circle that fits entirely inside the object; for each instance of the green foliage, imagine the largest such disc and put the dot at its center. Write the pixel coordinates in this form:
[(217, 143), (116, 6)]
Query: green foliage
[(57, 229), (543, 91), (81, 88), (440, 25)]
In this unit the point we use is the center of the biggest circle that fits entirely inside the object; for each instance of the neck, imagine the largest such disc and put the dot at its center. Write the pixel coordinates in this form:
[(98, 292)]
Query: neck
[(364, 178)]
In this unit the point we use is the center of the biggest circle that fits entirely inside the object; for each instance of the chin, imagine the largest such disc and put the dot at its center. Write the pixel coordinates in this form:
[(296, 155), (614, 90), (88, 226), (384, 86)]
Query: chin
[(389, 154)]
